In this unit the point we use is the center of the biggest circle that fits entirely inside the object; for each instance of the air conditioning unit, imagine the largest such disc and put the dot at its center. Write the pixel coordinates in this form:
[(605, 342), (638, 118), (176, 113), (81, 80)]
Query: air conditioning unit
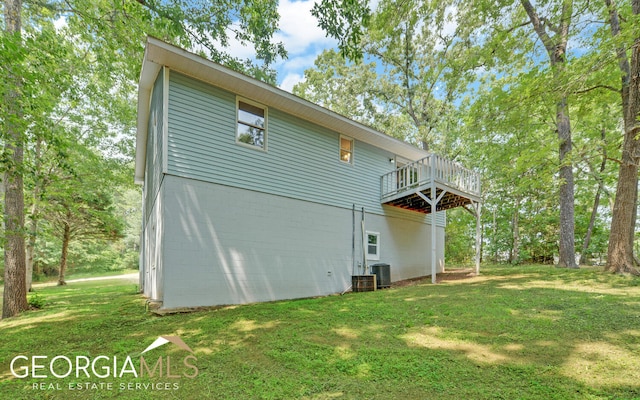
[(382, 272)]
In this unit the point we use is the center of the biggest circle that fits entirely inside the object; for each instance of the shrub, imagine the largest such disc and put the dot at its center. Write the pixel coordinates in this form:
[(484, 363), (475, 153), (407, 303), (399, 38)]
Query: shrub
[(36, 301)]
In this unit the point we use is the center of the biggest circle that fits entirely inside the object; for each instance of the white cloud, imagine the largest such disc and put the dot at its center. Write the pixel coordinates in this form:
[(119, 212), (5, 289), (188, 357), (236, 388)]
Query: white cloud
[(237, 49), (299, 29), (60, 23), (300, 62), (302, 38), (290, 81)]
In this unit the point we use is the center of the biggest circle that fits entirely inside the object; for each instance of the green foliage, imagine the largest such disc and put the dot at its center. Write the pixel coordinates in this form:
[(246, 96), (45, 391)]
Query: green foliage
[(115, 32), (345, 20), (408, 71), (78, 63), (473, 81), (459, 244), (35, 300)]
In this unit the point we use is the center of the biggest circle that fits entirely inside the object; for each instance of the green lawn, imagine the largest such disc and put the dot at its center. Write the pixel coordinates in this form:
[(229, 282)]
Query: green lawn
[(513, 333)]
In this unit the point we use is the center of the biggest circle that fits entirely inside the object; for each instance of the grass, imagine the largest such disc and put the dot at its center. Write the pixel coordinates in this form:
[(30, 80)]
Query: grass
[(78, 275), (513, 333), (87, 274)]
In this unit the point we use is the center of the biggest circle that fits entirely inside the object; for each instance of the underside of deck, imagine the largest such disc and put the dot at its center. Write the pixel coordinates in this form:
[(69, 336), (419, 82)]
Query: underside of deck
[(449, 198), (414, 202)]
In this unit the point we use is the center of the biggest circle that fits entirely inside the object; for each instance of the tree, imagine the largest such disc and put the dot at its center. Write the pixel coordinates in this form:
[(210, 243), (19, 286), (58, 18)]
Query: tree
[(109, 36), (15, 296), (58, 73), (555, 37), (620, 253), (80, 203), (407, 67), (506, 136), (346, 21)]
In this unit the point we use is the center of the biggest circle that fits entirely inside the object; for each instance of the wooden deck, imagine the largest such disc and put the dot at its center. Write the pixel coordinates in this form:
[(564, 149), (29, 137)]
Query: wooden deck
[(410, 186)]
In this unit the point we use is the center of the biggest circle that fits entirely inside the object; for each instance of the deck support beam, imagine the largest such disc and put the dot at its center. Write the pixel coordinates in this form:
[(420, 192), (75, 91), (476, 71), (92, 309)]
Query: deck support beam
[(433, 204), (477, 207), (415, 186)]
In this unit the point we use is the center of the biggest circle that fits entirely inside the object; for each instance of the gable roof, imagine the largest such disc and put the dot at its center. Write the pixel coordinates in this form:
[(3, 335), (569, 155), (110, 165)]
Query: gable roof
[(158, 53)]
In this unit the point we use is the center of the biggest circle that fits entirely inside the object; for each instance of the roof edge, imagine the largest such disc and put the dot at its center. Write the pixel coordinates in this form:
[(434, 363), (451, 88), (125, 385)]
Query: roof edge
[(159, 53)]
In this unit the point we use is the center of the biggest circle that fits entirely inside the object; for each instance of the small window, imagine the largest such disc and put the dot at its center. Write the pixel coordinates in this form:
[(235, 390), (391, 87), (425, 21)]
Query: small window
[(373, 246), (346, 150), (252, 124)]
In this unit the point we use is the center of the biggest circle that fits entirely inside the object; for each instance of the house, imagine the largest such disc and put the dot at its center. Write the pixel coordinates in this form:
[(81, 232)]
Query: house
[(253, 194)]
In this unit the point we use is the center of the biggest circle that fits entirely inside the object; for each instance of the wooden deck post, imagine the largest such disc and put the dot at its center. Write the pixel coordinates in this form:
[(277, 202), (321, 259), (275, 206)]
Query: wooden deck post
[(478, 207), (418, 183), (433, 202), (433, 236)]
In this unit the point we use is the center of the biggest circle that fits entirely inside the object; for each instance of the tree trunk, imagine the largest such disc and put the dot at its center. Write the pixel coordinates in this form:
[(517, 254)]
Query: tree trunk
[(567, 251), (33, 218), (15, 295), (592, 221), (31, 248), (556, 47), (620, 252), (515, 249), (596, 200), (66, 238)]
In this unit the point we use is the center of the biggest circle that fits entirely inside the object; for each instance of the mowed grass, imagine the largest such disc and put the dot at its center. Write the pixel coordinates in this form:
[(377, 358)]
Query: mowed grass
[(526, 332)]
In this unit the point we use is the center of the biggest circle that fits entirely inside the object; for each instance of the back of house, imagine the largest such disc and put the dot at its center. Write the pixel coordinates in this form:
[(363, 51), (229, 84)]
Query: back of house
[(253, 194)]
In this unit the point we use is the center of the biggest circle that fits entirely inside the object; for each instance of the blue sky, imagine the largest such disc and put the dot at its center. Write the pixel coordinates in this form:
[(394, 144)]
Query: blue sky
[(302, 38), (299, 32)]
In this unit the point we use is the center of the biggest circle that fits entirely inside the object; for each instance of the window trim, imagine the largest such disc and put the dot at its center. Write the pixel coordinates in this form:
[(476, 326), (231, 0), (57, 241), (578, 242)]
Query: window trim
[(352, 151), (266, 124), (376, 256)]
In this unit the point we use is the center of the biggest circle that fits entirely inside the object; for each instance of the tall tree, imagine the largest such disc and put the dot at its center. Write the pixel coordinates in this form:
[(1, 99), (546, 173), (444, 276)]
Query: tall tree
[(79, 200), (57, 67), (408, 64), (81, 215), (554, 34), (15, 296), (620, 253)]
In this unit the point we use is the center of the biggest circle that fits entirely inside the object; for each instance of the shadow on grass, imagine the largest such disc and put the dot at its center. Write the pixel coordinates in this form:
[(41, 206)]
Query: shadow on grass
[(517, 333)]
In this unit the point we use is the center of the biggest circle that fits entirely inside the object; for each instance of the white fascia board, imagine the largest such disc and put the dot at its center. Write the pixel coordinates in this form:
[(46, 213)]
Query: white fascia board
[(159, 53), (147, 78)]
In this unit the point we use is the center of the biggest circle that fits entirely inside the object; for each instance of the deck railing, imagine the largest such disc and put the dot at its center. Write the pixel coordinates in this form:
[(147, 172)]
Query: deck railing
[(421, 172)]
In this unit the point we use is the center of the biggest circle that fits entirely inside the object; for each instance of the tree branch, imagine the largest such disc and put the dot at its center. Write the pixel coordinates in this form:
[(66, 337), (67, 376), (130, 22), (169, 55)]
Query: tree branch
[(538, 25), (607, 87)]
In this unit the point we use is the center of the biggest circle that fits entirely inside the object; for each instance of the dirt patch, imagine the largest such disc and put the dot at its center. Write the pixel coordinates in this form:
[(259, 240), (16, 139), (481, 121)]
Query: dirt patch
[(455, 274)]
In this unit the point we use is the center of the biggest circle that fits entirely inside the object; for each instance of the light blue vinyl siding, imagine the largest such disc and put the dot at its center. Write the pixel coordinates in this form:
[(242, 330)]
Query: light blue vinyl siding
[(155, 127), (302, 160)]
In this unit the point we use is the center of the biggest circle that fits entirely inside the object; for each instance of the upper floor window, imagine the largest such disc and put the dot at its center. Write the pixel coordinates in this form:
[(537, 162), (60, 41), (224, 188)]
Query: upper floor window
[(252, 124), (346, 149)]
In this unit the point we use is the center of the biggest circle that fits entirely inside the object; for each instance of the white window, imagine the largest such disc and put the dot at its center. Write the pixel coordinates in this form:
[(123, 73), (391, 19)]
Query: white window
[(346, 149), (251, 124), (373, 245)]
